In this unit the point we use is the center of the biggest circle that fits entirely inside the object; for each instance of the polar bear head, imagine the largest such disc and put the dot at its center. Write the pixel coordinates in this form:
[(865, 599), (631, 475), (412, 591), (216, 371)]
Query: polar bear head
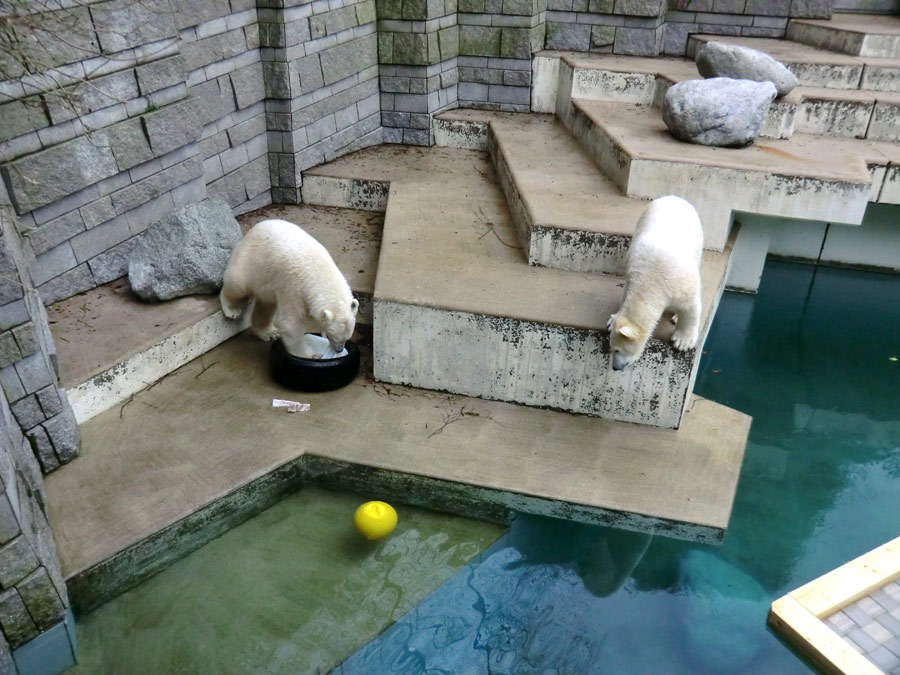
[(626, 342), (338, 323)]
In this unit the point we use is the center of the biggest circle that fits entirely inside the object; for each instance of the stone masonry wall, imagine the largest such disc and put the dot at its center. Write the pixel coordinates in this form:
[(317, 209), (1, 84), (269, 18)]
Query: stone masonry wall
[(33, 596), (418, 44), (654, 27), (219, 68), (497, 40), (320, 70), (167, 102), (28, 374)]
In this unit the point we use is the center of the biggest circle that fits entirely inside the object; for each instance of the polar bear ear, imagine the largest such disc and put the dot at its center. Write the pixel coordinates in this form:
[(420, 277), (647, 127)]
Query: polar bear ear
[(354, 306), (327, 316), (628, 331)]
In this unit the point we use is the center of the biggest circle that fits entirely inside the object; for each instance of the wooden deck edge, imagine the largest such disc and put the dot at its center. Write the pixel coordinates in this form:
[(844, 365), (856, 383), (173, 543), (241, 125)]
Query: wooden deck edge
[(813, 637), (850, 582), (799, 616)]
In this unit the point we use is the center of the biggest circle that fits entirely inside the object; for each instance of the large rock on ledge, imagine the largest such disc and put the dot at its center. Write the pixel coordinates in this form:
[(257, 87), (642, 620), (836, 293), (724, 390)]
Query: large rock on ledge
[(718, 59), (185, 252), (719, 111)]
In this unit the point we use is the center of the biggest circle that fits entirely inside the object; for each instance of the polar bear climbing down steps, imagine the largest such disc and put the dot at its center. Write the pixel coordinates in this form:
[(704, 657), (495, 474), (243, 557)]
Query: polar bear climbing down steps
[(295, 286), (662, 272)]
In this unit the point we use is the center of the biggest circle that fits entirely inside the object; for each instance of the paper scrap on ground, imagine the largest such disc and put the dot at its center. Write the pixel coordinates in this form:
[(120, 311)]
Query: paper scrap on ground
[(292, 406)]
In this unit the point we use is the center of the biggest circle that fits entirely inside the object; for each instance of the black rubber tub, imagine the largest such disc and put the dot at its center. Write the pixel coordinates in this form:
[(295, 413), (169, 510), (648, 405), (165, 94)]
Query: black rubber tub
[(295, 372)]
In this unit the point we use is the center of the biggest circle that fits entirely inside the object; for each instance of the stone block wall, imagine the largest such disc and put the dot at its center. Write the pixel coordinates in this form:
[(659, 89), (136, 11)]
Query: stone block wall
[(497, 39), (28, 375), (167, 102), (654, 27), (418, 45), (33, 597), (219, 67), (320, 69)]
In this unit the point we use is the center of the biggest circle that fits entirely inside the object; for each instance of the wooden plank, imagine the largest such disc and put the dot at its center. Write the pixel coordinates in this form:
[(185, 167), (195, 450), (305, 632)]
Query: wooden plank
[(815, 639), (850, 582)]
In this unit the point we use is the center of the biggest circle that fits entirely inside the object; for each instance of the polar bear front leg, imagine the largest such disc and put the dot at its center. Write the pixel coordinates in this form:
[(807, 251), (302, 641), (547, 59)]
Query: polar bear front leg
[(261, 320), (688, 322), (232, 301)]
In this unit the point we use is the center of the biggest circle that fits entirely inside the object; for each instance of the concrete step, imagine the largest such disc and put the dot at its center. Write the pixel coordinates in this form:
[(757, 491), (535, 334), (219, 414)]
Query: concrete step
[(629, 79), (850, 113), (457, 307), (203, 450), (806, 177), (111, 345), (567, 213), (855, 34), (816, 67)]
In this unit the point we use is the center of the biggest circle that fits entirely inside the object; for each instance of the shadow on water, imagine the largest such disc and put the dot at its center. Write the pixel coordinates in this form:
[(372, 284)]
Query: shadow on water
[(812, 358)]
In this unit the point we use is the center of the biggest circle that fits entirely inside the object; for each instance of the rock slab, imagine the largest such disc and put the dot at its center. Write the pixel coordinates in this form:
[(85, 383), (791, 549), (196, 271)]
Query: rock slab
[(718, 59), (719, 111), (185, 252)]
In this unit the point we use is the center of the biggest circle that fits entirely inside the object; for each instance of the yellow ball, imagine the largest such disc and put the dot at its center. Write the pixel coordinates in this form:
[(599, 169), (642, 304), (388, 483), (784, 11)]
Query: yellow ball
[(375, 520)]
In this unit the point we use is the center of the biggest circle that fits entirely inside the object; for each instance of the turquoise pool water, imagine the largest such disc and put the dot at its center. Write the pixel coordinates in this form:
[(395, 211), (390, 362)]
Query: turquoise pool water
[(813, 357)]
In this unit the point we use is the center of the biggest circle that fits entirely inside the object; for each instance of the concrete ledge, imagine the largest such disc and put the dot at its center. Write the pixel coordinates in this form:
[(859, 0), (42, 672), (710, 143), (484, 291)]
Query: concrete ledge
[(113, 386), (344, 193), (203, 450), (813, 67), (568, 215), (111, 345), (855, 34), (542, 365), (800, 178), (466, 134)]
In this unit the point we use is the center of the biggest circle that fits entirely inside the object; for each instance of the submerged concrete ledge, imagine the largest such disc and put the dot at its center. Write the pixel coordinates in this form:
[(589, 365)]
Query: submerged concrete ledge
[(203, 450)]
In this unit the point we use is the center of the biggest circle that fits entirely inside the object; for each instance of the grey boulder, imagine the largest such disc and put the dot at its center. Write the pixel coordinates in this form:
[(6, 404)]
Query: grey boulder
[(185, 252), (719, 111), (718, 59)]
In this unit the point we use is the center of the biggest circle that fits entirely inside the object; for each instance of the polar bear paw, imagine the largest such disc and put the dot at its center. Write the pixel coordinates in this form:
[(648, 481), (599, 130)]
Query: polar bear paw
[(231, 311), (610, 321), (683, 342), (266, 334)]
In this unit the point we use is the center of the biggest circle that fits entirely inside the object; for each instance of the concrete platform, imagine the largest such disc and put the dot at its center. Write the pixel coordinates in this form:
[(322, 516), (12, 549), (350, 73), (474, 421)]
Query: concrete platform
[(816, 67), (856, 34), (804, 177), (567, 213), (203, 449), (110, 344), (491, 331)]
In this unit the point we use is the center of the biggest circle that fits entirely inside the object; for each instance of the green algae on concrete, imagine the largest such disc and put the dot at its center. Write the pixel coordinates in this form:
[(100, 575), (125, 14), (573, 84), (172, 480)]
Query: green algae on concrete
[(295, 589)]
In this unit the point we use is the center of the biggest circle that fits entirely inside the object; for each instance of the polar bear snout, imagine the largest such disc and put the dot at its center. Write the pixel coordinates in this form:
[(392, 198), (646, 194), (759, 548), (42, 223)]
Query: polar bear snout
[(338, 324), (619, 360)]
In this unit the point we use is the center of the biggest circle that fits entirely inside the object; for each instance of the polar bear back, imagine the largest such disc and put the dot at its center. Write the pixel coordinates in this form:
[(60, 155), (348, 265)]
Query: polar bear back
[(284, 250), (668, 236)]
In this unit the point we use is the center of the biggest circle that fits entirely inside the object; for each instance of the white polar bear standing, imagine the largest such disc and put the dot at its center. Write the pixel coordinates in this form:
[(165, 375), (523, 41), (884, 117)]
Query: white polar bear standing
[(662, 272), (295, 285)]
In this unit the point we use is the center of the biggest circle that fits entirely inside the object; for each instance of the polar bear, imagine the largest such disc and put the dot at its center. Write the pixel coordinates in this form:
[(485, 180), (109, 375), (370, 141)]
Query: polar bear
[(662, 272), (295, 285)]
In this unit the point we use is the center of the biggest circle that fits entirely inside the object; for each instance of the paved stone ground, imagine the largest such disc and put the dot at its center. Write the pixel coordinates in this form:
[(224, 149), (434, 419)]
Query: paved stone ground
[(872, 626)]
